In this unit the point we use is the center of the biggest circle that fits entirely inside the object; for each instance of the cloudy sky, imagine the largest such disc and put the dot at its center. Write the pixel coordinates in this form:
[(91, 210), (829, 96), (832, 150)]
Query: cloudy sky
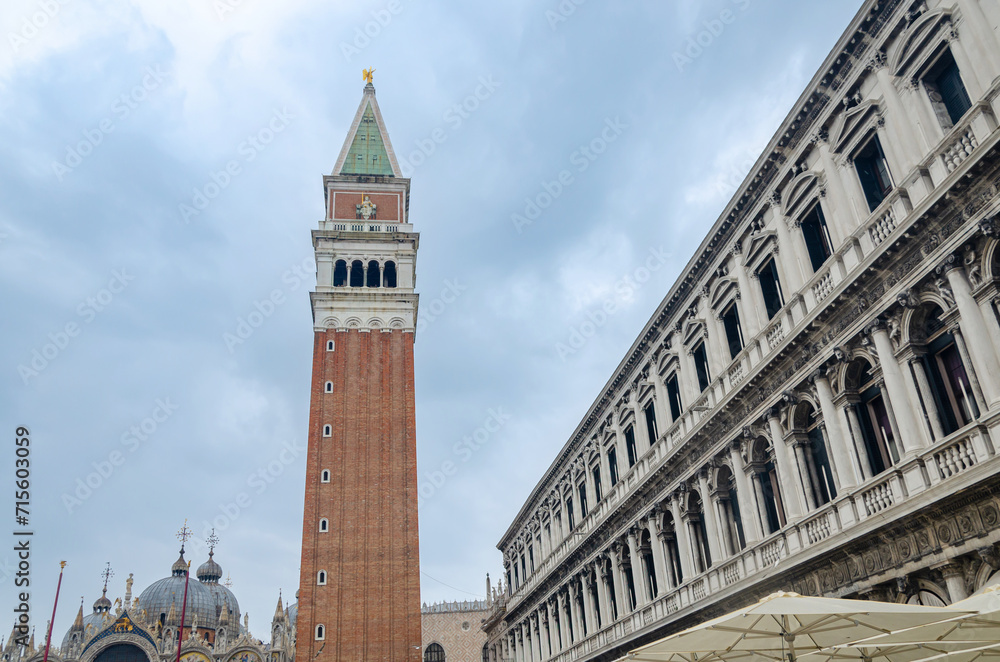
[(126, 257)]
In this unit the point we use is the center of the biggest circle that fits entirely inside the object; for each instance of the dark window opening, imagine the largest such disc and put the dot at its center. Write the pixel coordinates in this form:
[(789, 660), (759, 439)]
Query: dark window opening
[(772, 498), (701, 366), (582, 491), (373, 275), (647, 560), (389, 278), (674, 395), (770, 287), (630, 446), (950, 384), (357, 274), (569, 513), (734, 332), (613, 466), (650, 414), (531, 558), (947, 92), (598, 494), (817, 236), (340, 274), (630, 584), (820, 470), (873, 171), (434, 653)]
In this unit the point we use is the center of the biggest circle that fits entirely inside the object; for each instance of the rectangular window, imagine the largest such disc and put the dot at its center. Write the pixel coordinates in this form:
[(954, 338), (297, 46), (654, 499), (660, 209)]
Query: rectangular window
[(734, 333), (613, 466), (598, 493), (674, 395), (770, 287), (630, 446), (873, 171), (524, 572), (569, 513), (531, 558), (947, 91), (582, 491), (817, 237), (651, 423), (701, 365)]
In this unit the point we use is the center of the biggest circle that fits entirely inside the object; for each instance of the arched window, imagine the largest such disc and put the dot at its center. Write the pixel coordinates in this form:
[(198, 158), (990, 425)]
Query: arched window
[(675, 574), (320, 632), (374, 277), (321, 578), (606, 572), (817, 456), (340, 273), (945, 371), (732, 532), (122, 653), (873, 418), (486, 652), (325, 476), (765, 483), (327, 430), (329, 345), (329, 387), (324, 525), (389, 278), (357, 274), (699, 532), (434, 653)]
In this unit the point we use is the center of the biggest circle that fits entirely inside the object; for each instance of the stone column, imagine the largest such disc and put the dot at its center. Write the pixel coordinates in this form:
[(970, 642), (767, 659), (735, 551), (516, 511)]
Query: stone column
[(588, 479), (564, 636), (910, 437), (642, 596), (751, 310), (642, 440), (836, 437), (574, 610), (977, 335), (708, 512), (659, 552), (589, 608), (805, 476), (903, 140), (621, 586), (896, 435), (924, 388), (974, 384), (620, 444), (954, 579), (792, 254), (751, 529), (683, 542), (855, 425), (555, 628), (563, 513), (791, 498), (761, 506), (603, 600), (661, 405)]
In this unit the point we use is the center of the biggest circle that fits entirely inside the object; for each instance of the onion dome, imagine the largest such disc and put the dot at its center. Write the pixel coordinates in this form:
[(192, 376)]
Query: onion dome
[(102, 605), (209, 574), (210, 571)]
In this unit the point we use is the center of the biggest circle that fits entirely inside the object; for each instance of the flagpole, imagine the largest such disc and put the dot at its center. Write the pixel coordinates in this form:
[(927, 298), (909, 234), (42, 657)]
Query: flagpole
[(180, 631), (48, 637)]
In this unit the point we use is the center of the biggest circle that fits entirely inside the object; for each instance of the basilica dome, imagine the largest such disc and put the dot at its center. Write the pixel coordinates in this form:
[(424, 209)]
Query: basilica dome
[(158, 597), (209, 574)]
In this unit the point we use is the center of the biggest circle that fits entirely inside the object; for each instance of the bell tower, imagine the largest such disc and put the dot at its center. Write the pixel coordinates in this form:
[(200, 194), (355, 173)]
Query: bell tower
[(360, 574)]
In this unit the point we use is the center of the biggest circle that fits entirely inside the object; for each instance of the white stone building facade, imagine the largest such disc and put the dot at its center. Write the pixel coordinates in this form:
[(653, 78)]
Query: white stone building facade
[(815, 405)]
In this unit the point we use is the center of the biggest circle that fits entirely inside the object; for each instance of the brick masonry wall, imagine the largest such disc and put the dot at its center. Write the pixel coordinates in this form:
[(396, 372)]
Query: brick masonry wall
[(460, 644), (370, 605)]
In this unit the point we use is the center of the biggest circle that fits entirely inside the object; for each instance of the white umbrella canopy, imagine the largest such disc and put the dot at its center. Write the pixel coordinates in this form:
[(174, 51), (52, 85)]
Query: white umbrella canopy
[(979, 624), (785, 625), (902, 653)]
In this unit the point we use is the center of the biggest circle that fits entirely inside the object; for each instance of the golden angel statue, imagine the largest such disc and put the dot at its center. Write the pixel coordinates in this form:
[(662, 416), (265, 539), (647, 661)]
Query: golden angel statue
[(368, 74)]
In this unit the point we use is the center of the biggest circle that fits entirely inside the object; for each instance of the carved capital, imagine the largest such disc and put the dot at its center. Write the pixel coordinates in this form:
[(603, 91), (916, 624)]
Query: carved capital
[(949, 263)]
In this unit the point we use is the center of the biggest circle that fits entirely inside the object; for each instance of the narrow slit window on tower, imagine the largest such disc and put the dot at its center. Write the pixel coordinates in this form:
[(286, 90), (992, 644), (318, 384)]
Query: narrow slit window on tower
[(329, 387), (320, 632), (374, 277), (873, 171), (327, 430), (357, 273), (340, 274), (329, 345), (325, 476), (324, 525), (817, 237), (770, 288), (389, 278), (321, 578)]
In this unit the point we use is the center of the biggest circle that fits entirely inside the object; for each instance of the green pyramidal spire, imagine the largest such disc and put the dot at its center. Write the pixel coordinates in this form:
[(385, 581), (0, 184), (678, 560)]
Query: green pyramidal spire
[(367, 150)]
